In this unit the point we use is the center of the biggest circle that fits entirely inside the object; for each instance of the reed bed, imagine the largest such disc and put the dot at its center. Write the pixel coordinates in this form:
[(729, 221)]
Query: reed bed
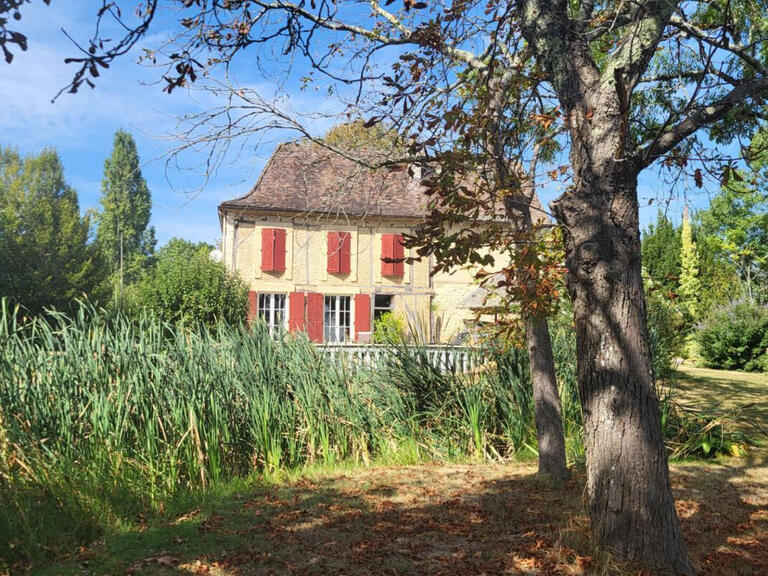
[(105, 418)]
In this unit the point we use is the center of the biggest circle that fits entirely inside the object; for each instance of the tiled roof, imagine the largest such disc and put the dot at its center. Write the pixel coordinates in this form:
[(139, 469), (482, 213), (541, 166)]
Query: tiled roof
[(306, 178)]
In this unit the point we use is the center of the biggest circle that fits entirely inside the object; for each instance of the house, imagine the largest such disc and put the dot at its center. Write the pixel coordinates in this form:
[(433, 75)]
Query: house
[(318, 238)]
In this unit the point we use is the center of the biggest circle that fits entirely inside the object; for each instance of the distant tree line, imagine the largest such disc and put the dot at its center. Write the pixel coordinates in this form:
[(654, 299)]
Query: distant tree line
[(712, 268), (52, 255)]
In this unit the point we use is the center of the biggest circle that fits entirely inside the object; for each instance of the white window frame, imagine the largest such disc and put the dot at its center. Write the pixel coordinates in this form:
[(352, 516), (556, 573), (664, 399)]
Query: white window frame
[(273, 311), (380, 310), (337, 318)]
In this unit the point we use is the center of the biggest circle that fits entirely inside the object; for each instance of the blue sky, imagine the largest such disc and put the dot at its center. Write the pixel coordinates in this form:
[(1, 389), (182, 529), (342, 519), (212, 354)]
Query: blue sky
[(81, 126)]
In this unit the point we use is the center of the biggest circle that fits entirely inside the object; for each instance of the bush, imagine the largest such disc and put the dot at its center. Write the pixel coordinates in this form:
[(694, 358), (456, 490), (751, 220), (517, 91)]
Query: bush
[(187, 285), (666, 328), (735, 337)]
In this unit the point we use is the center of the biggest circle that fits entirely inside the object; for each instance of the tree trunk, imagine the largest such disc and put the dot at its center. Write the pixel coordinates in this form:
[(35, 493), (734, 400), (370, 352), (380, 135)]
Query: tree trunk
[(630, 501), (549, 421), (546, 396)]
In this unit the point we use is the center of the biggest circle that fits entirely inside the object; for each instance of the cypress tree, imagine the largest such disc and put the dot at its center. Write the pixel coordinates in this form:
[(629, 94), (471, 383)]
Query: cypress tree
[(689, 270)]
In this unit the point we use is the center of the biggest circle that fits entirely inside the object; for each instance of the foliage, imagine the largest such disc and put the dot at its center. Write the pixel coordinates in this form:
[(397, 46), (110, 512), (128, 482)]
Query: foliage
[(719, 279), (691, 434), (737, 224), (735, 337), (357, 137), (187, 285), (661, 246), (689, 270), (666, 328), (388, 328), (46, 257), (124, 234)]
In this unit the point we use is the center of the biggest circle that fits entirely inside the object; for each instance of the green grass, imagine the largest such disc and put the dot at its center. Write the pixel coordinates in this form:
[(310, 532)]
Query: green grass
[(727, 392)]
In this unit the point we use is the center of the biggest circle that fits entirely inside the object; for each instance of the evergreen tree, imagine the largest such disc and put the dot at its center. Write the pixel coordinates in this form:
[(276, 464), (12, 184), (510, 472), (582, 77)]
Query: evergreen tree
[(124, 235), (689, 269), (661, 253), (46, 259)]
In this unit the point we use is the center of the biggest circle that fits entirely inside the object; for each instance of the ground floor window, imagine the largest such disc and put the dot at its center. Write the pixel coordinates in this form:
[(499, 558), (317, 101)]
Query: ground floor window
[(338, 318), (272, 311), (382, 304)]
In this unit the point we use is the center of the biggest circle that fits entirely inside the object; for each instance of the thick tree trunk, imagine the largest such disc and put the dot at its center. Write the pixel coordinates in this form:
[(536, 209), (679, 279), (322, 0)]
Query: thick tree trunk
[(630, 501), (549, 421)]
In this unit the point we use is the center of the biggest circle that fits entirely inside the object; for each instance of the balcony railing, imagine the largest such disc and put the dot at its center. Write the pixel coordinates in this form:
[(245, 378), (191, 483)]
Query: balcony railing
[(446, 358)]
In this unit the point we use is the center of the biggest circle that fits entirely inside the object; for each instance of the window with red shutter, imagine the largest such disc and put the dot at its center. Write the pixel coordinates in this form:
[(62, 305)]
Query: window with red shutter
[(339, 252), (333, 252), (267, 249), (345, 252), (315, 303), (296, 312), (279, 251), (392, 249), (362, 314), (251, 306), (387, 268), (398, 253), (273, 249)]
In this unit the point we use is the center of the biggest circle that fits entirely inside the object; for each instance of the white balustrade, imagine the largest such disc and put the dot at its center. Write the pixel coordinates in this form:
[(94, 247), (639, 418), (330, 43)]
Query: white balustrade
[(443, 357)]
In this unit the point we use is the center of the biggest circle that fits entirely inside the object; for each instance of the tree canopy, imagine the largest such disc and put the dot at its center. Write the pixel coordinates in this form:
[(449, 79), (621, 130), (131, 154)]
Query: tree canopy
[(47, 258), (186, 284)]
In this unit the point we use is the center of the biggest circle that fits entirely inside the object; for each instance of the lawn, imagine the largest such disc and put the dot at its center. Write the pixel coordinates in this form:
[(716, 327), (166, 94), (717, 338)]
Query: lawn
[(444, 519)]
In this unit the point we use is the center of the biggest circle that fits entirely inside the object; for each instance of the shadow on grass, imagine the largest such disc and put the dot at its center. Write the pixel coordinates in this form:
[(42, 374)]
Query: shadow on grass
[(454, 520)]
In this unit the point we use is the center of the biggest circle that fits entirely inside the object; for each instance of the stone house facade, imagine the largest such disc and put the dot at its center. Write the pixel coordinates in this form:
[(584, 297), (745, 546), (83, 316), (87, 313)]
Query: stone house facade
[(318, 240)]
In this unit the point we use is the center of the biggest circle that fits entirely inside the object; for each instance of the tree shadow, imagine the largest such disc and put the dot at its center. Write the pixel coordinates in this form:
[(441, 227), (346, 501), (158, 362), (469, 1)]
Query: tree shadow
[(437, 520)]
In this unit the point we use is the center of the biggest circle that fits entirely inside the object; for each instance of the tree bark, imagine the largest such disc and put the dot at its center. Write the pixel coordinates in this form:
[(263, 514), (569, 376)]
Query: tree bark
[(549, 420), (631, 505)]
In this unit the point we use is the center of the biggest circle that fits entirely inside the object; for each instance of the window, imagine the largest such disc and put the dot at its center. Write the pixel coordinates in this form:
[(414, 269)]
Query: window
[(338, 318), (339, 257), (392, 254), (382, 303), (272, 311), (273, 249)]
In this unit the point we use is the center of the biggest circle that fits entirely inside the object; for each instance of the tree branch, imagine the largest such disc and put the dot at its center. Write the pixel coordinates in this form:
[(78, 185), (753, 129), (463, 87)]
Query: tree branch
[(699, 118)]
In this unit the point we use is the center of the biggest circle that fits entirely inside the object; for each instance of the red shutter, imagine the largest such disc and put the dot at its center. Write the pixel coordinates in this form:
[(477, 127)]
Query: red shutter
[(315, 310), (387, 268), (345, 249), (267, 249), (333, 252), (279, 253), (296, 312), (251, 306), (398, 252), (362, 314)]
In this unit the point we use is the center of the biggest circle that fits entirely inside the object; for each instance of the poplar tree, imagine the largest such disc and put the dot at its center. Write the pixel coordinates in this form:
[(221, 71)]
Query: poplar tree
[(124, 234)]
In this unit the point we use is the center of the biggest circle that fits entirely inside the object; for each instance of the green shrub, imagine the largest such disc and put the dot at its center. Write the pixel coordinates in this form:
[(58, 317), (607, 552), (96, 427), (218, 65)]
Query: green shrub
[(186, 284), (735, 337)]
